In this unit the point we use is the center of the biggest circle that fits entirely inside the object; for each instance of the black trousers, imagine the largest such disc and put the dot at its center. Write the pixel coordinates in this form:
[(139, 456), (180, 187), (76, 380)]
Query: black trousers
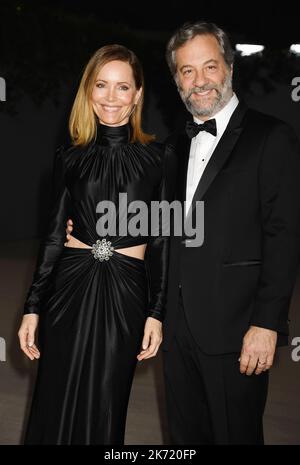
[(208, 400)]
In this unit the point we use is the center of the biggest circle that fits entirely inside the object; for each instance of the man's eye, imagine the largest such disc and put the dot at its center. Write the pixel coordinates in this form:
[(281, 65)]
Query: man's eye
[(212, 67), (187, 71)]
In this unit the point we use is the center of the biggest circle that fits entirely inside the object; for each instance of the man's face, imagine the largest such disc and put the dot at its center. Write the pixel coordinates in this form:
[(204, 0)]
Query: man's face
[(204, 80)]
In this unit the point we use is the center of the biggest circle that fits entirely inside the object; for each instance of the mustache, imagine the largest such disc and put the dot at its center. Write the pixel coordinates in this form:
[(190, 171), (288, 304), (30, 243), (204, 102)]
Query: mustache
[(201, 89)]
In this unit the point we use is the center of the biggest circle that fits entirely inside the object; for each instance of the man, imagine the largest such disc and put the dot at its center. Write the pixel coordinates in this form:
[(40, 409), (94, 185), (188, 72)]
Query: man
[(228, 300)]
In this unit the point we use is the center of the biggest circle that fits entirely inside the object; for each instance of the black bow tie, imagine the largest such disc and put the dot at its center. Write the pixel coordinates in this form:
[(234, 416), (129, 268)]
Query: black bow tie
[(192, 128)]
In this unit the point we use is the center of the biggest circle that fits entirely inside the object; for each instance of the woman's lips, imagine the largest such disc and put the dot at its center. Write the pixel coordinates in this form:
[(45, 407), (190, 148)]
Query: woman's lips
[(110, 109)]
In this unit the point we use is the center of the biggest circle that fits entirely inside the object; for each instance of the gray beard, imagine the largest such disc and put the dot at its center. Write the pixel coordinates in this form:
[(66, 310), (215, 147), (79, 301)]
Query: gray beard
[(224, 94)]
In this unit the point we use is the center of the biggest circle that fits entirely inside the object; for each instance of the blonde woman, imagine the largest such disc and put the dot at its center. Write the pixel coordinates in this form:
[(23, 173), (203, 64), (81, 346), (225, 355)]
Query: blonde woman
[(98, 305)]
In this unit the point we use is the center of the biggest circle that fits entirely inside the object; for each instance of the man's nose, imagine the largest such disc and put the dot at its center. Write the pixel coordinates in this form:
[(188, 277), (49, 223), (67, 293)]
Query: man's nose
[(200, 79)]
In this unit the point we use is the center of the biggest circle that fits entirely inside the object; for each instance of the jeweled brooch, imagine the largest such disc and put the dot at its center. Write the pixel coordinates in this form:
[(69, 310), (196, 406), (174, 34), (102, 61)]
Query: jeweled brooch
[(102, 250)]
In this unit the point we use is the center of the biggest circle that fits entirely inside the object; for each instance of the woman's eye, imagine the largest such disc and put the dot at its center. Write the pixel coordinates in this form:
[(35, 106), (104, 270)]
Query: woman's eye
[(100, 85)]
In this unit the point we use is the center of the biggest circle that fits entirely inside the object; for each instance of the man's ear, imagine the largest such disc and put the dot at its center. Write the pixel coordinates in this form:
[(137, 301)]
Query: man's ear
[(231, 70)]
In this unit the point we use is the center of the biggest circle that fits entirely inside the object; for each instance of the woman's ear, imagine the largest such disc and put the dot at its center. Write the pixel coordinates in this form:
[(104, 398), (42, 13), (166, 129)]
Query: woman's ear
[(138, 96)]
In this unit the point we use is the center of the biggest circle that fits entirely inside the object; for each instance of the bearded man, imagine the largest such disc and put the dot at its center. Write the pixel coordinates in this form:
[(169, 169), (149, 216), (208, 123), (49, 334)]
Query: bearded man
[(228, 300)]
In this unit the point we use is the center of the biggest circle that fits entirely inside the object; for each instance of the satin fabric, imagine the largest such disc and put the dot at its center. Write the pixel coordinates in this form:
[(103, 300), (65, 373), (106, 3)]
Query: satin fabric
[(92, 313)]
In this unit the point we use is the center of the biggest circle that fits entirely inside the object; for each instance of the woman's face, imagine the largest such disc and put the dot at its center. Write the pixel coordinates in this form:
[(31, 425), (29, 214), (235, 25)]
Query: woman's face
[(114, 93)]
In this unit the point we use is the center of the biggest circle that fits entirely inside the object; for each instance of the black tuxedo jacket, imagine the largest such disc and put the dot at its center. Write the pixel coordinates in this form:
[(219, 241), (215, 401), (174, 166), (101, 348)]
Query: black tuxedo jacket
[(244, 272)]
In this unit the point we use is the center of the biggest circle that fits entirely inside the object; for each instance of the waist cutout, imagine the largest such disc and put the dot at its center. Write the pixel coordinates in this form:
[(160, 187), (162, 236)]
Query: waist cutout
[(105, 248)]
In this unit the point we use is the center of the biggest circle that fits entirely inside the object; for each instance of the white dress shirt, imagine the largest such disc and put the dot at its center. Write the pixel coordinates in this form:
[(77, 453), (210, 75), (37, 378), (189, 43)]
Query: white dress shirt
[(203, 146)]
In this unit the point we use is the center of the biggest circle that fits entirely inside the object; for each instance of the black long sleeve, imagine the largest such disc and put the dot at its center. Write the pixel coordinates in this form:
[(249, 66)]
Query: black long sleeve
[(157, 253), (156, 258), (280, 215), (52, 243)]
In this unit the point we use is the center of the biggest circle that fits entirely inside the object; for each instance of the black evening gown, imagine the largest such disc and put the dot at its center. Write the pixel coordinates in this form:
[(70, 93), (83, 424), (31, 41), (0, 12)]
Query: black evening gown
[(92, 312)]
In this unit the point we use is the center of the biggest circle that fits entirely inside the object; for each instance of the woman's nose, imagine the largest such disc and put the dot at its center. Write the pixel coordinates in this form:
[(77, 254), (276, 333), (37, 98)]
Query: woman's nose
[(111, 95)]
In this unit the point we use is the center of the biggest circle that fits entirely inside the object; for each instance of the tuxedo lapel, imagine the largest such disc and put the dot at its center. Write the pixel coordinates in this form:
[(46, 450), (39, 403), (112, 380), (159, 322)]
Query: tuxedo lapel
[(220, 154)]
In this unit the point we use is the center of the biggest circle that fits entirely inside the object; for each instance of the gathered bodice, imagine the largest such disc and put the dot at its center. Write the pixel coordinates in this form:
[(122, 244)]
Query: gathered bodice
[(104, 178)]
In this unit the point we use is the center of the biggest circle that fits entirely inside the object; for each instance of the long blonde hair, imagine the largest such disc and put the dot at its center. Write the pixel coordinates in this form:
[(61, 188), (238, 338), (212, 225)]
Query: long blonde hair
[(82, 122)]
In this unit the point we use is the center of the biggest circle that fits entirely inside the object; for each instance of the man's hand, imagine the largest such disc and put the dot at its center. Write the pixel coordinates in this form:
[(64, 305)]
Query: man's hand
[(69, 230), (258, 350), (152, 339)]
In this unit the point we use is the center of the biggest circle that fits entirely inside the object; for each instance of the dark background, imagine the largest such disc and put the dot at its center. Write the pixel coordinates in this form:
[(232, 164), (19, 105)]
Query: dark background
[(44, 46)]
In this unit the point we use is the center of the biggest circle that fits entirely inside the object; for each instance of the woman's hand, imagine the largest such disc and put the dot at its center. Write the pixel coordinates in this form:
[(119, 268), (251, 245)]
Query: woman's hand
[(26, 335), (152, 338), (69, 230)]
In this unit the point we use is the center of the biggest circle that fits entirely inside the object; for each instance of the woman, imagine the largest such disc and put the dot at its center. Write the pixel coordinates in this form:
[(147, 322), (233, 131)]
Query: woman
[(97, 302)]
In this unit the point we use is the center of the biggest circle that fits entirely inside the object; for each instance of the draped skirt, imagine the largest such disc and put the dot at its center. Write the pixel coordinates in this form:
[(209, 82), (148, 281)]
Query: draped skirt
[(90, 333)]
